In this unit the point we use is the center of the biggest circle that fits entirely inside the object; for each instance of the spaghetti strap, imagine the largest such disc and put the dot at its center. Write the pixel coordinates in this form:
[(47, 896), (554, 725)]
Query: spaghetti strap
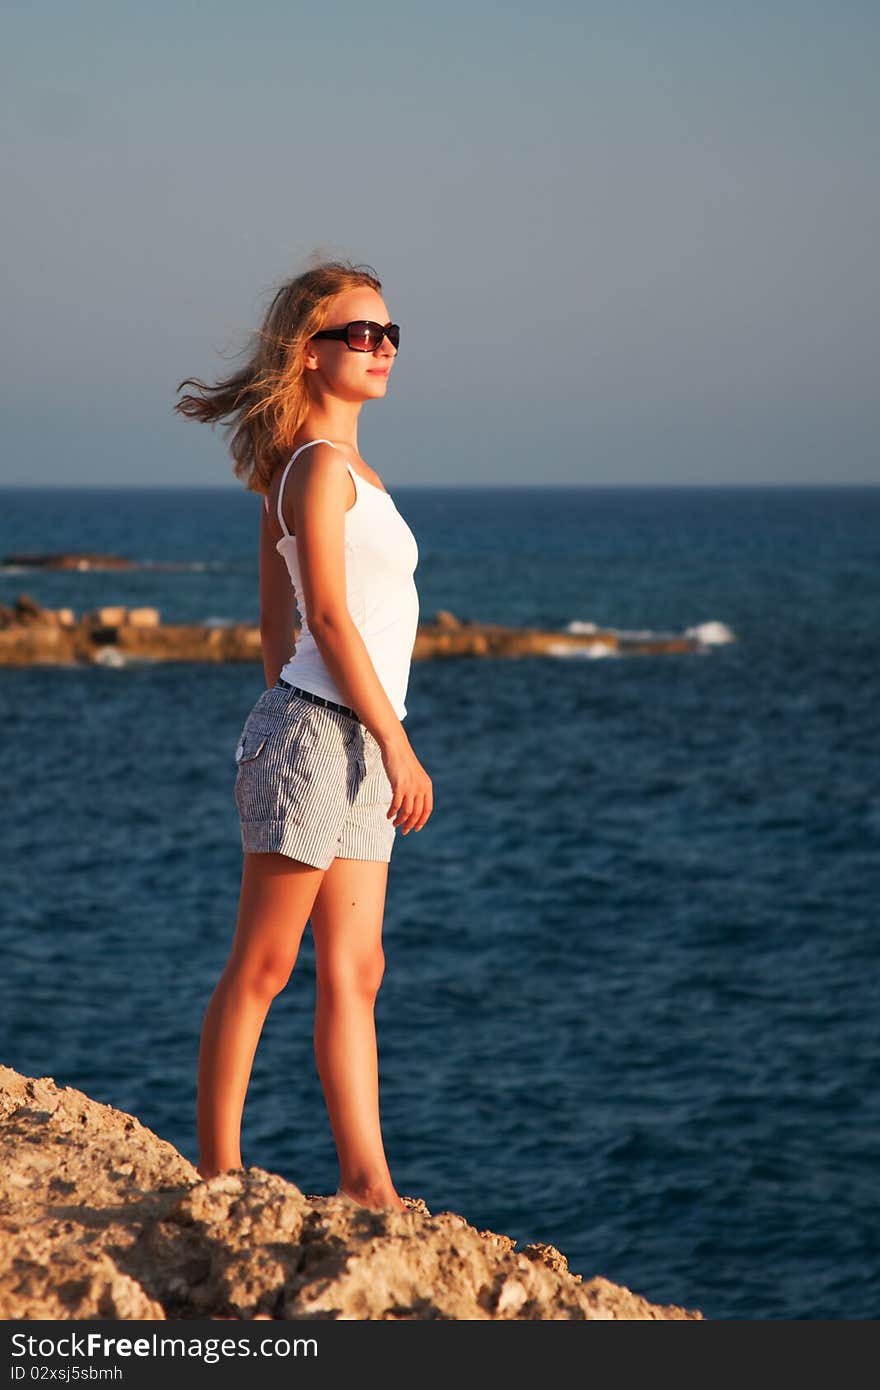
[(287, 469), (354, 479)]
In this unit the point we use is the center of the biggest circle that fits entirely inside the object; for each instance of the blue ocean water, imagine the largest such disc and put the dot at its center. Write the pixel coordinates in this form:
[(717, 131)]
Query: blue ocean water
[(631, 995)]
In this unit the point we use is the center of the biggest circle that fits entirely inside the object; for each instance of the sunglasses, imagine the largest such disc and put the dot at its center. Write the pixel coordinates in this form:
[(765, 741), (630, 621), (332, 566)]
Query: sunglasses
[(363, 335)]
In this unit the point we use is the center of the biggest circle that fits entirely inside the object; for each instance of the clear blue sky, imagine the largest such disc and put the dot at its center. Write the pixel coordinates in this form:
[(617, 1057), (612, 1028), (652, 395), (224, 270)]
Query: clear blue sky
[(631, 243)]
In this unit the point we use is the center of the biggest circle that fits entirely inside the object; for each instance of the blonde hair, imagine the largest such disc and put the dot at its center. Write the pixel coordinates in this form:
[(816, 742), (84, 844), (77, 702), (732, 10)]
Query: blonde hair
[(267, 400)]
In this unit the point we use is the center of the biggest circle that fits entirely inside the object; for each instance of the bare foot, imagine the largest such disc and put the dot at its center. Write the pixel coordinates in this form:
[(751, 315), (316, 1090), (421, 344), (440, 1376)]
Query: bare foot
[(374, 1201), (205, 1172)]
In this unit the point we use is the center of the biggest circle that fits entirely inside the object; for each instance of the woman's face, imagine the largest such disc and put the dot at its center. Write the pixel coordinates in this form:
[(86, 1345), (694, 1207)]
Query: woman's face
[(338, 369)]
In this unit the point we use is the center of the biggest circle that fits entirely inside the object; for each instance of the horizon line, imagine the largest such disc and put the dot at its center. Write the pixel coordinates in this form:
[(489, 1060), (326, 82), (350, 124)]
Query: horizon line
[(433, 487)]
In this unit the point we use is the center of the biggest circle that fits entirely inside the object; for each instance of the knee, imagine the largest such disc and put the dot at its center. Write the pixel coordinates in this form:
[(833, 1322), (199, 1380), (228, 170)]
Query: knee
[(372, 972), (261, 979), (362, 975)]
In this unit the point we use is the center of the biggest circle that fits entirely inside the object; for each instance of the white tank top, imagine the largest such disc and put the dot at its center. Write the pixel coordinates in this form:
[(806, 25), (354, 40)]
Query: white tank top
[(381, 555)]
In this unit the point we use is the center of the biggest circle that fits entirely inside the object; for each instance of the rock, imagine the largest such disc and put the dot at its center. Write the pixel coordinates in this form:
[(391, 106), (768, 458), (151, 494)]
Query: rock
[(143, 617), (100, 1218), (27, 609), (69, 560), (106, 617), (548, 1255), (511, 1297), (30, 634)]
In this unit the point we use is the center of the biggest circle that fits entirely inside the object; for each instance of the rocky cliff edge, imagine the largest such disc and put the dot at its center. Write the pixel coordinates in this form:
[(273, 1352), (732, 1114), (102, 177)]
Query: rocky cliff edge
[(99, 1218)]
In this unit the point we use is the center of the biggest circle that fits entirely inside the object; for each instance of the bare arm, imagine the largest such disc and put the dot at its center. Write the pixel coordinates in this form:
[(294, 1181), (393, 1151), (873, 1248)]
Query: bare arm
[(277, 605)]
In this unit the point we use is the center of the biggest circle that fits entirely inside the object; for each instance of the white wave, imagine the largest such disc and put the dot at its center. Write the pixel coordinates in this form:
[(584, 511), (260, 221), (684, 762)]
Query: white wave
[(109, 656), (642, 634), (711, 634), (593, 651)]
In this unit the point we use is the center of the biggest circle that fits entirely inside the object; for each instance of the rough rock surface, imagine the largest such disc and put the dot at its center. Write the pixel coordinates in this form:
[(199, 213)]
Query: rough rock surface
[(99, 1218)]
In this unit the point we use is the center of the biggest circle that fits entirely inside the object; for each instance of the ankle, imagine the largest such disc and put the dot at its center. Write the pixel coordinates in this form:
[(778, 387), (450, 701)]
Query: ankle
[(391, 1202), (371, 1192), (213, 1170)]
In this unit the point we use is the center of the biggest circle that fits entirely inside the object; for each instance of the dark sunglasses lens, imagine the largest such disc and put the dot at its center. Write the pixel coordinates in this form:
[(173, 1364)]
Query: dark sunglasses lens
[(365, 336), (362, 336)]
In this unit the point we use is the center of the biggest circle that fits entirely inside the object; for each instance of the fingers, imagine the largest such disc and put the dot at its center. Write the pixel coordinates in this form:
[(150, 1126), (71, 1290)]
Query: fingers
[(403, 812), (420, 820), (411, 811)]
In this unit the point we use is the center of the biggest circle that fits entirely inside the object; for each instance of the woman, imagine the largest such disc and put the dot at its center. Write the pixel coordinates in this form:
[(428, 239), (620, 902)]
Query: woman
[(321, 789)]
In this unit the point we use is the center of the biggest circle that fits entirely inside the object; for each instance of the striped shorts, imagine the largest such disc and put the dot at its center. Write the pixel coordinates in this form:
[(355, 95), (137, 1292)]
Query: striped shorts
[(310, 783)]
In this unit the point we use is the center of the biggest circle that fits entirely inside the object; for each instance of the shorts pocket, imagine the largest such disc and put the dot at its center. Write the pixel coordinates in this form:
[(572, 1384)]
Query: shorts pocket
[(254, 796), (250, 745), (257, 730)]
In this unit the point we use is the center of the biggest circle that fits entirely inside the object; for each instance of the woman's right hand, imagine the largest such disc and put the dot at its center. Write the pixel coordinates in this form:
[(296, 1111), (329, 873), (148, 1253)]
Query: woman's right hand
[(413, 793)]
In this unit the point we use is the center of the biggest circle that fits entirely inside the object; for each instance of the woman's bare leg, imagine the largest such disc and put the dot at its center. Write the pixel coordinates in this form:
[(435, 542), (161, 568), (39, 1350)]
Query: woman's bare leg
[(347, 927), (276, 899)]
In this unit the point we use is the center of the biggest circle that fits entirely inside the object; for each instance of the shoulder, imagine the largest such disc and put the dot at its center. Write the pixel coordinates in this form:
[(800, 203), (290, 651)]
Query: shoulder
[(310, 462), (319, 458), (318, 473), (321, 471)]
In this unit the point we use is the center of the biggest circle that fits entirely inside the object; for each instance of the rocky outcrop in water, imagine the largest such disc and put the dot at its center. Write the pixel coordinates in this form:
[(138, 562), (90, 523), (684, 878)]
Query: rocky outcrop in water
[(68, 560), (31, 635), (100, 1218)]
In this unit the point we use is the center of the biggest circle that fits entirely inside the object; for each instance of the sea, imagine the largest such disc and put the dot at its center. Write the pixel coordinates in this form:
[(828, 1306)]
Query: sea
[(632, 988)]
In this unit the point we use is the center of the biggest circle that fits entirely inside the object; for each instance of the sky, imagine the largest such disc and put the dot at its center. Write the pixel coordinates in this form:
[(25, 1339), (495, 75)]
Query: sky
[(627, 243)]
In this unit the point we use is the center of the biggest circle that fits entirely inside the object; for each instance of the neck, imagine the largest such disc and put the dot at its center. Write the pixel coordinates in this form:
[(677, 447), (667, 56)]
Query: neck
[(332, 418)]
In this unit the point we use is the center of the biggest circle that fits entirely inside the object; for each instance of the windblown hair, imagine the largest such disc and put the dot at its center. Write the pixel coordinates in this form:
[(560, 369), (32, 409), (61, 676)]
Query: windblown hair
[(267, 401)]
